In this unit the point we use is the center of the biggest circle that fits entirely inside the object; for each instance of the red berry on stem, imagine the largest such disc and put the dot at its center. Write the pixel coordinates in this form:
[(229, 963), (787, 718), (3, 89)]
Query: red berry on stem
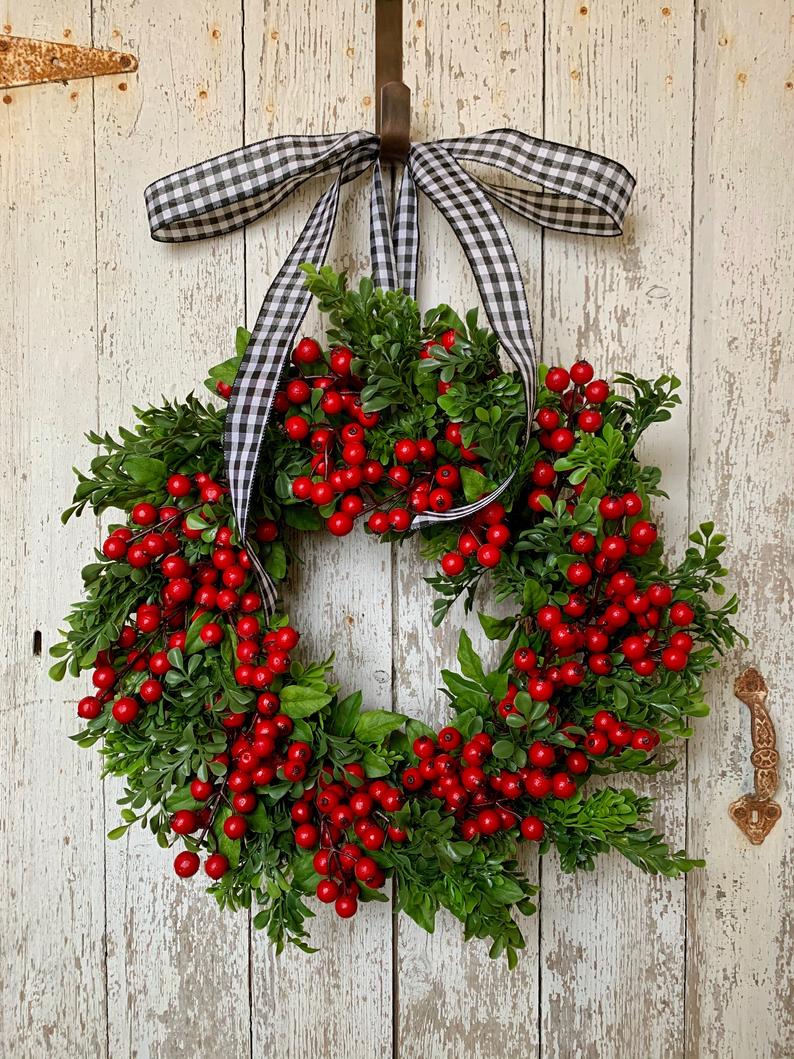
[(216, 866), (186, 864), (532, 828), (557, 380), (581, 372)]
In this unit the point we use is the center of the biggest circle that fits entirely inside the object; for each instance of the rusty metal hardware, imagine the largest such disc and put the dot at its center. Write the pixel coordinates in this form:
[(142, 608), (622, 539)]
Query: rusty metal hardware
[(24, 61), (392, 97), (756, 814)]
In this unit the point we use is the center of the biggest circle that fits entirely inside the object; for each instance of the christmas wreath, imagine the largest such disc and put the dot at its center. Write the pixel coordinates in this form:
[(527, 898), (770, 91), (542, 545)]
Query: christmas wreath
[(247, 757)]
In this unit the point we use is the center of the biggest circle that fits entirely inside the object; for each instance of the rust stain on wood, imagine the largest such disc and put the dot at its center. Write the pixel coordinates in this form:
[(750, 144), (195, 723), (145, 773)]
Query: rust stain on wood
[(24, 61)]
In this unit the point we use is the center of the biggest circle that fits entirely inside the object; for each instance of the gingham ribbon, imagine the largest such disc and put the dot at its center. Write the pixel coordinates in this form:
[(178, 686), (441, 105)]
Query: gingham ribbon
[(575, 191)]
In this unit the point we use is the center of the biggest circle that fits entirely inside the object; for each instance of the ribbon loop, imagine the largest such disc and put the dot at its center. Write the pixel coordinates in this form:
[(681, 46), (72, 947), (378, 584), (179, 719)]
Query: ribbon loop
[(576, 191)]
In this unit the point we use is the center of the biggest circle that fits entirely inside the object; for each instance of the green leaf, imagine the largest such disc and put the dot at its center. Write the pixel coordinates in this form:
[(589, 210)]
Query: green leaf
[(300, 700), (496, 628), (58, 671), (374, 725), (144, 470), (468, 659), (302, 518), (345, 714), (275, 562)]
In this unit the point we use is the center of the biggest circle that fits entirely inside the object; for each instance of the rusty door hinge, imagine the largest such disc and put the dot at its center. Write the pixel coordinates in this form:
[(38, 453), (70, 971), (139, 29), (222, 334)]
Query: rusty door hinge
[(24, 61), (756, 814)]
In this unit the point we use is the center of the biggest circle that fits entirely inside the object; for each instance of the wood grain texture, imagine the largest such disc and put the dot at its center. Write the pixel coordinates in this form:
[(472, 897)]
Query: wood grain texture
[(306, 74), (177, 967), (51, 820), (470, 67), (95, 317), (741, 948), (612, 974)]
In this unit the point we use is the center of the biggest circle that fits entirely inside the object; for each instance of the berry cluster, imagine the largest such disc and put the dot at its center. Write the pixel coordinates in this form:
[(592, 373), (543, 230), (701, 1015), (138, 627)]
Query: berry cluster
[(348, 820), (343, 480)]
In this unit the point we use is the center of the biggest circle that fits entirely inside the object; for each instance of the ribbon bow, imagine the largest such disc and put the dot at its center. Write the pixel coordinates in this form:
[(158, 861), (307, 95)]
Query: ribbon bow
[(575, 191)]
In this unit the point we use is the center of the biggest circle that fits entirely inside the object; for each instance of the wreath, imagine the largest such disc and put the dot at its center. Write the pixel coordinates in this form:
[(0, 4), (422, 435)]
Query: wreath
[(251, 759)]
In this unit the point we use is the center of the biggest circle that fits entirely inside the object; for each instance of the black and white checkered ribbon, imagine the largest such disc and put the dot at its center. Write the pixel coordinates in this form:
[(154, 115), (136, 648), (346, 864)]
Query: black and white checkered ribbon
[(574, 191)]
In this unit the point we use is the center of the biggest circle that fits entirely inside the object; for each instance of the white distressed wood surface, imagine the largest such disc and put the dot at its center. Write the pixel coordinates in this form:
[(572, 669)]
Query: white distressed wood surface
[(102, 952), (740, 944), (52, 964)]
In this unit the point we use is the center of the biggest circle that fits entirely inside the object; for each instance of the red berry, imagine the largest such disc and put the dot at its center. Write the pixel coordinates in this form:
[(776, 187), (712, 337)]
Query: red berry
[(144, 514), (681, 614), (600, 663), (212, 633), (596, 743), (216, 866), (346, 907), (581, 372), (488, 555), (620, 734), (298, 391), (340, 361), (611, 507), (339, 524), (399, 519), (378, 522), (184, 822), (643, 533), (186, 864), (596, 392), (557, 380), (405, 451), (589, 421), (307, 836), (632, 504), (125, 710), (577, 763), (440, 499), (674, 659), (307, 351), (562, 440), (453, 564), (563, 785), (542, 755), (524, 659), (582, 542), (201, 790), (579, 573), (179, 485), (89, 707), (488, 821), (327, 891), (114, 548), (532, 828), (297, 427), (548, 616), (151, 690)]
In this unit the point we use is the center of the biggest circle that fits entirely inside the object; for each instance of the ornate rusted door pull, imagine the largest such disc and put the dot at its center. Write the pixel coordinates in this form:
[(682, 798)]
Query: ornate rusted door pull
[(24, 61), (757, 813)]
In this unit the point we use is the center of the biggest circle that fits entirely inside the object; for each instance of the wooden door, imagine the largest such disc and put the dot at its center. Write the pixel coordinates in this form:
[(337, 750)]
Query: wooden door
[(101, 954)]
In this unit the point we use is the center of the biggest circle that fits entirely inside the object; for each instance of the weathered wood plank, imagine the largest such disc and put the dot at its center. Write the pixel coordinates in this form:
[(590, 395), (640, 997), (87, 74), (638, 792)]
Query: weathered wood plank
[(740, 948), (51, 822), (177, 967), (619, 81), (470, 67), (311, 75)]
